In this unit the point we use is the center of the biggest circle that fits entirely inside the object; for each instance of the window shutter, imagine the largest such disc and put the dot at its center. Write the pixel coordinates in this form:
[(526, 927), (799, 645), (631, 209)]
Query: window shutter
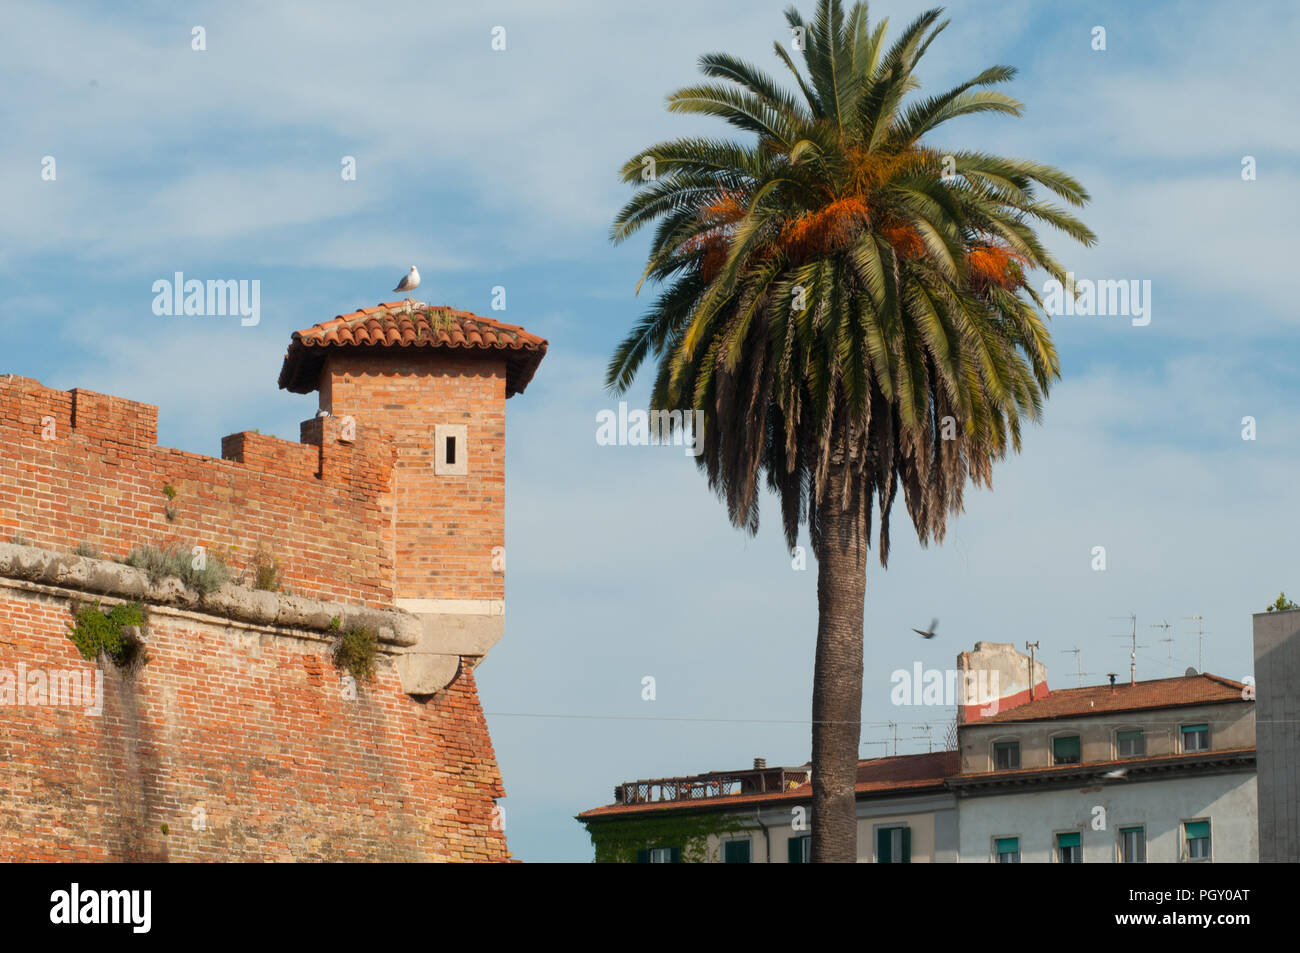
[(1067, 840), (1007, 845), (643, 856), (736, 852), (1190, 728), (794, 849), (907, 845), (884, 843), (1065, 749), (1197, 829), (675, 856)]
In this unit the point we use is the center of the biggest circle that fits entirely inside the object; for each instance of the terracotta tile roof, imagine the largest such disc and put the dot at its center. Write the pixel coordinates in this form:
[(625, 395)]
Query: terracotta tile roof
[(901, 774), (1203, 689), (389, 326)]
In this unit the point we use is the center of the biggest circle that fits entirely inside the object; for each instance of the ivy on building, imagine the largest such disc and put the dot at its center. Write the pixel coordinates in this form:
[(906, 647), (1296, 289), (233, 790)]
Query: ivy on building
[(618, 841)]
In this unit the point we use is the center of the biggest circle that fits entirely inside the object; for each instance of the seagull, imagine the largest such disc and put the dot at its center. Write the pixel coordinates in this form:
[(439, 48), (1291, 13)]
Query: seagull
[(928, 633), (1116, 775), (410, 282)]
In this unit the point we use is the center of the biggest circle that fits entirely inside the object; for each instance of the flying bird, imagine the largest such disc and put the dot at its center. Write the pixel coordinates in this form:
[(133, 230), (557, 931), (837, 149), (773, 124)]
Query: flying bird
[(410, 282), (928, 633)]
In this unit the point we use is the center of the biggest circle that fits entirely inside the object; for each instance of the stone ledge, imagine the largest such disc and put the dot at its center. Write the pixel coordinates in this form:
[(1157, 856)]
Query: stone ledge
[(393, 627)]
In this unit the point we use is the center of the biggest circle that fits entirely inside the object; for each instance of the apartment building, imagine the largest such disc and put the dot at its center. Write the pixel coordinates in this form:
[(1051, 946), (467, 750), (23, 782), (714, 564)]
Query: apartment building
[(1159, 771), (762, 815)]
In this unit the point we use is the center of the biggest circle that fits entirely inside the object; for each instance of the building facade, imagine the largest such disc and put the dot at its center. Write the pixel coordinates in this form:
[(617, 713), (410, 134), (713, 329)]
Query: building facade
[(1277, 700), (1160, 771), (759, 816)]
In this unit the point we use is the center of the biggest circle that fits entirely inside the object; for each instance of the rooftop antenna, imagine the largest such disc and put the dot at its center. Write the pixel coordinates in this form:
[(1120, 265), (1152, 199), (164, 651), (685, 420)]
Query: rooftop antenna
[(1032, 647), (1133, 652), (1200, 635), (885, 743), (929, 733), (1078, 662), (894, 726), (1168, 638)]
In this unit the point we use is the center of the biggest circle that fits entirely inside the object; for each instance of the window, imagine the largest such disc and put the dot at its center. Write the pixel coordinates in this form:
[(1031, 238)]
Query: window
[(1197, 834), (1196, 737), (659, 855), (1007, 850), (1069, 848), (735, 851), (450, 449), (1130, 744), (1132, 845), (893, 845), (1006, 755), (799, 849), (1066, 750)]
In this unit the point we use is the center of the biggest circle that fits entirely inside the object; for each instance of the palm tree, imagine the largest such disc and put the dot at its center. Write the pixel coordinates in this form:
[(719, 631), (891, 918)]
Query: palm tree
[(849, 308)]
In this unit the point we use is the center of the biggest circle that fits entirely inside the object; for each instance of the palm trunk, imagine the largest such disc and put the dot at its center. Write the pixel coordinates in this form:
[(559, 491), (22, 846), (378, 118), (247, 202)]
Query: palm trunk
[(837, 677)]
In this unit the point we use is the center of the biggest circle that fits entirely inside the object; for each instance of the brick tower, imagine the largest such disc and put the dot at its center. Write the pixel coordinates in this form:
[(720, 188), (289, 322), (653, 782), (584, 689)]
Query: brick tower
[(434, 381)]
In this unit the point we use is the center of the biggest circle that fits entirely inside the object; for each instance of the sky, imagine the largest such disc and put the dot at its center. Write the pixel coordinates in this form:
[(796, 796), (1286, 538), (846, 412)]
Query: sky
[(498, 167)]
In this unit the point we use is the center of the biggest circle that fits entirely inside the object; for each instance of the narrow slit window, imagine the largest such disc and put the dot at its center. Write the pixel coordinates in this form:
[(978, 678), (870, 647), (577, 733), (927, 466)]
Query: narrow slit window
[(450, 449)]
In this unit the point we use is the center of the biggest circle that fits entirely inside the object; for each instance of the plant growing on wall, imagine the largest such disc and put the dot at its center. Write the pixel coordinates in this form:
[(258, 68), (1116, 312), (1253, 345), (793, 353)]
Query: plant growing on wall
[(356, 650), (205, 574), (95, 632), (267, 574), (1282, 603)]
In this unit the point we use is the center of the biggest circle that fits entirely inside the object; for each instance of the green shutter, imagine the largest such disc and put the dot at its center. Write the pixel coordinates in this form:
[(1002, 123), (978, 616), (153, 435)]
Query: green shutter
[(1130, 735), (1197, 829), (907, 845), (675, 855), (1007, 845), (1067, 840), (1190, 728), (1065, 748), (643, 856), (794, 850), (884, 844), (736, 852)]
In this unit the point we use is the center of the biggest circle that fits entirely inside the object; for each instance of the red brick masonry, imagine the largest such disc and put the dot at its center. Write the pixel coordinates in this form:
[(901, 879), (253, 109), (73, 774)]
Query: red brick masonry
[(241, 739)]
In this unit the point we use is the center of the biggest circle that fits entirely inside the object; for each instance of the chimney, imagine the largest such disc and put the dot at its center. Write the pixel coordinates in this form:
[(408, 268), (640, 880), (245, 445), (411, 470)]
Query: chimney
[(760, 764), (993, 678), (1111, 676)]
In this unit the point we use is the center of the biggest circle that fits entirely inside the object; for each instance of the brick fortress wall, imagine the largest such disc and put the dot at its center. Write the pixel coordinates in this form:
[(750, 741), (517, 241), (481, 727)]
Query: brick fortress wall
[(246, 726)]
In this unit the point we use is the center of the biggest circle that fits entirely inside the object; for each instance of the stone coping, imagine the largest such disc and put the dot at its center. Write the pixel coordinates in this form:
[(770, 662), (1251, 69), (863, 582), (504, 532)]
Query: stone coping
[(394, 627)]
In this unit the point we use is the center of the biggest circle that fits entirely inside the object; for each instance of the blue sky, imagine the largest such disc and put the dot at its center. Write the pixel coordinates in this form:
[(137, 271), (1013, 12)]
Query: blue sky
[(490, 168)]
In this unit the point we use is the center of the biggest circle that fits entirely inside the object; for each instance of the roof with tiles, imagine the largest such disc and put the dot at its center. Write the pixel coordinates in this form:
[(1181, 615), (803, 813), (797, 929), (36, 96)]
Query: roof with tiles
[(395, 325), (1202, 689), (901, 774)]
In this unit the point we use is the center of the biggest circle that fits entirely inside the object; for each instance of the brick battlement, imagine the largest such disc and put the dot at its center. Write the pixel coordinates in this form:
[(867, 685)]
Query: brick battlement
[(80, 467)]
